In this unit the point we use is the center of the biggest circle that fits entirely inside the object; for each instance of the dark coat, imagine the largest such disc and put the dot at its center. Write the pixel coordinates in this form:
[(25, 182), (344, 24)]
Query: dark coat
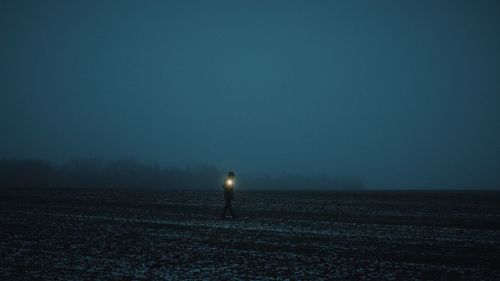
[(228, 192)]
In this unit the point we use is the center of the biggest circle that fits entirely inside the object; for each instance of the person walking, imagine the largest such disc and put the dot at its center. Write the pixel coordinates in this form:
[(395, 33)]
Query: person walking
[(228, 187)]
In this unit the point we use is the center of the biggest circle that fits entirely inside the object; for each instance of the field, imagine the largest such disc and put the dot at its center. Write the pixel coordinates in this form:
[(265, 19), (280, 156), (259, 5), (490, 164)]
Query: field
[(92, 234)]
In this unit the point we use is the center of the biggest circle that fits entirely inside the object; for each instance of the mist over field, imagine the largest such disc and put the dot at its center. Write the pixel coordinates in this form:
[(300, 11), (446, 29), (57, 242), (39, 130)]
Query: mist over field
[(130, 173), (394, 94), (250, 140)]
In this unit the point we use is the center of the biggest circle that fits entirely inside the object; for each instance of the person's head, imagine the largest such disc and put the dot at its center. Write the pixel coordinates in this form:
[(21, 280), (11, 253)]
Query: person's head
[(230, 175)]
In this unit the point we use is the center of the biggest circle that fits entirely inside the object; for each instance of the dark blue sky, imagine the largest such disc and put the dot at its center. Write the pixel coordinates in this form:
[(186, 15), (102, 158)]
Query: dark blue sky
[(399, 93)]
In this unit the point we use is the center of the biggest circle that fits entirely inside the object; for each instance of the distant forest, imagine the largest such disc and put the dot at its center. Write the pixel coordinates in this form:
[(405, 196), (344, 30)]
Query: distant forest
[(131, 173)]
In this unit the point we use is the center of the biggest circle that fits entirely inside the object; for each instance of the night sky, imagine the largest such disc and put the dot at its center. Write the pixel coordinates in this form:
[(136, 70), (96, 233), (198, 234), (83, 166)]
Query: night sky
[(402, 94)]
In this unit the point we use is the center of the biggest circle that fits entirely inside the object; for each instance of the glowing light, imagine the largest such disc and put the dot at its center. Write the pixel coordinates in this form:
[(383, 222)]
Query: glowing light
[(229, 182)]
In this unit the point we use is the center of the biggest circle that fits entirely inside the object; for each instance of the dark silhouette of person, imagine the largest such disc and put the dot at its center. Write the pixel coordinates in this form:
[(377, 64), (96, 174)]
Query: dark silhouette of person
[(228, 187)]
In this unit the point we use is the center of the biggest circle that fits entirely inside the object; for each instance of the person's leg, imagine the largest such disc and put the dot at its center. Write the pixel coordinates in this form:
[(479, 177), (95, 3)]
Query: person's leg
[(231, 209), (225, 209)]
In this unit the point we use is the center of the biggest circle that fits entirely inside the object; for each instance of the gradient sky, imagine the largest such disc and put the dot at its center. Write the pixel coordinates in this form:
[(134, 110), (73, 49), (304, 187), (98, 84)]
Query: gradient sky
[(403, 94)]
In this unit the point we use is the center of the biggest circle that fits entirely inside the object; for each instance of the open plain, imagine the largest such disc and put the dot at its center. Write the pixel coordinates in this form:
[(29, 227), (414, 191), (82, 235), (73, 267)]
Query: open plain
[(101, 234)]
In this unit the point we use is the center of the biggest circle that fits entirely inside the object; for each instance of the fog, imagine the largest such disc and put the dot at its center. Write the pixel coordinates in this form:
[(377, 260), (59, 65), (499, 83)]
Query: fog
[(400, 94)]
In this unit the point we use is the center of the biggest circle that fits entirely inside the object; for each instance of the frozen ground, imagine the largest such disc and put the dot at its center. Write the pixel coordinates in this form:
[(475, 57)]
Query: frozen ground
[(90, 234)]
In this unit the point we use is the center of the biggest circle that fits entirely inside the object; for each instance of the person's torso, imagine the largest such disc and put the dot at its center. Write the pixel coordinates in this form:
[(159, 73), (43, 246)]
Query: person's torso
[(228, 191)]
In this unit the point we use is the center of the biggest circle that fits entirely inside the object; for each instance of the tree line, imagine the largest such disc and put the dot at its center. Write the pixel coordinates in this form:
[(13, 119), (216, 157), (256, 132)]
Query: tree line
[(131, 173)]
